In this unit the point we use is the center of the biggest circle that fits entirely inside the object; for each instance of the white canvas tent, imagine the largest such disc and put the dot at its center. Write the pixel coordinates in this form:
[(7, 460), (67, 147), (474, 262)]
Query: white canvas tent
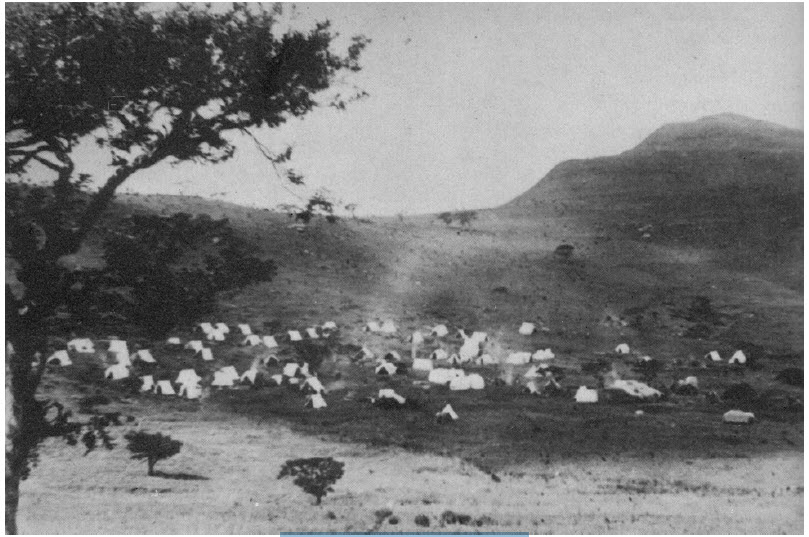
[(215, 335), (373, 326), (459, 384), (249, 375), (144, 355), (294, 335), (388, 393), (245, 329), (316, 401), (440, 330), (439, 354), (122, 358), (480, 337), (191, 391), (60, 357), (118, 346), (278, 379), (542, 355), (531, 387), (532, 373), (738, 416), (148, 383), (447, 413), (225, 377), (82, 345), (163, 387), (526, 329), (251, 340), (634, 388), (388, 327), (422, 364), (206, 328), (417, 338), (385, 368), (187, 376), (269, 342), (738, 358), (714, 356), (314, 384), (518, 358), (586, 395), (623, 348), (195, 345), (476, 382), (174, 340), (487, 359), (469, 350), (291, 369), (329, 325), (222, 328), (207, 354), (312, 333), (116, 372)]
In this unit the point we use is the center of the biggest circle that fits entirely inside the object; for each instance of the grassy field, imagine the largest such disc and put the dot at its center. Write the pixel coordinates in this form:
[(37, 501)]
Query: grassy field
[(562, 467)]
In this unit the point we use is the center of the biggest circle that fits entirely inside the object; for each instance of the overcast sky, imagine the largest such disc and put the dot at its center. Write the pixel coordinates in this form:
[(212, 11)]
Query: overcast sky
[(471, 104)]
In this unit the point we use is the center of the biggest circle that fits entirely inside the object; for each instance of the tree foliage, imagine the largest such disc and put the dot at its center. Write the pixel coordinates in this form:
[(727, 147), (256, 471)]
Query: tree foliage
[(315, 475), (152, 447)]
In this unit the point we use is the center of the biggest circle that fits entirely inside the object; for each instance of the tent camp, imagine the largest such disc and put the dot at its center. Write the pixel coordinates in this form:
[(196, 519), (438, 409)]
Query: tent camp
[(518, 358), (222, 328), (60, 357), (714, 356), (422, 364), (315, 401), (245, 329), (388, 393), (116, 372), (148, 383), (207, 354), (174, 341), (195, 345), (251, 341), (738, 416), (439, 354), (144, 355), (447, 414), (385, 368), (163, 387), (269, 342), (82, 345), (623, 348), (440, 330), (372, 326), (738, 358), (388, 327), (312, 333), (294, 335), (526, 329), (586, 395)]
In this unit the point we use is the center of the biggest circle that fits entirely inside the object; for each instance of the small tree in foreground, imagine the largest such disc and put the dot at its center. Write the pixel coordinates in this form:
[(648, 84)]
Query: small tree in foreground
[(315, 475), (152, 446)]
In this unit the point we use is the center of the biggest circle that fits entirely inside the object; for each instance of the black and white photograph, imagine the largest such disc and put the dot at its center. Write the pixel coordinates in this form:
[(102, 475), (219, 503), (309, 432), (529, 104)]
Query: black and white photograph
[(404, 268)]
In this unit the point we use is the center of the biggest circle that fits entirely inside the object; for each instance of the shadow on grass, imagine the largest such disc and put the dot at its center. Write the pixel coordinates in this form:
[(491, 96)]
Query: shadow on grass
[(180, 475)]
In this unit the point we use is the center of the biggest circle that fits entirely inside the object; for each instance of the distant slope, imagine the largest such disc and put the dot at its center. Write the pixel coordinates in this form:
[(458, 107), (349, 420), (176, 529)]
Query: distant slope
[(720, 182)]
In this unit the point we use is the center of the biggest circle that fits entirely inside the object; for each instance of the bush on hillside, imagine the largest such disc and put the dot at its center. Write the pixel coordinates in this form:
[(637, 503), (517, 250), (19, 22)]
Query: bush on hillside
[(152, 447), (315, 475)]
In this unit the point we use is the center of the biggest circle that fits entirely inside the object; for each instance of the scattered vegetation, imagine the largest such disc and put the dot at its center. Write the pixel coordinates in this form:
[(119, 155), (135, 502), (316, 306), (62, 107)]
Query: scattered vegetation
[(152, 447)]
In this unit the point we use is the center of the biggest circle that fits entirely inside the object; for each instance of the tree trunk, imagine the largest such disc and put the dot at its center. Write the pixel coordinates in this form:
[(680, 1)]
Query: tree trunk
[(151, 462), (12, 501)]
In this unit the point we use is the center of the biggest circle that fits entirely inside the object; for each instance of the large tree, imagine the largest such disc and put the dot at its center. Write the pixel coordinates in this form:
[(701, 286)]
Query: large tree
[(148, 86)]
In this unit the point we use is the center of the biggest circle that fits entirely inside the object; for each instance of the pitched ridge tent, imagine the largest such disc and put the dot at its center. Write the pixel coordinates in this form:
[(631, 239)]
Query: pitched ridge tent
[(385, 368), (163, 387), (206, 328), (144, 355), (480, 337), (388, 393), (422, 364), (738, 416), (251, 340), (526, 329), (312, 333), (187, 376), (60, 356), (249, 375), (714, 356), (623, 348), (191, 390), (122, 358), (440, 330), (476, 381), (269, 342), (225, 376), (215, 335), (586, 395), (416, 338), (294, 335), (447, 413), (207, 354), (313, 384), (373, 326), (148, 383), (541, 355), (222, 328), (329, 325), (388, 327), (469, 350), (460, 384), (439, 354), (195, 345), (174, 340), (518, 358), (291, 369), (118, 346), (81, 345), (278, 379), (116, 372), (439, 376), (245, 329), (315, 401), (738, 358), (367, 353)]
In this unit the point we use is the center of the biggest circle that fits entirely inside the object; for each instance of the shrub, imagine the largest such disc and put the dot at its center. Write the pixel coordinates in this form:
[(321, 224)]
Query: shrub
[(315, 475), (422, 520), (152, 447)]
